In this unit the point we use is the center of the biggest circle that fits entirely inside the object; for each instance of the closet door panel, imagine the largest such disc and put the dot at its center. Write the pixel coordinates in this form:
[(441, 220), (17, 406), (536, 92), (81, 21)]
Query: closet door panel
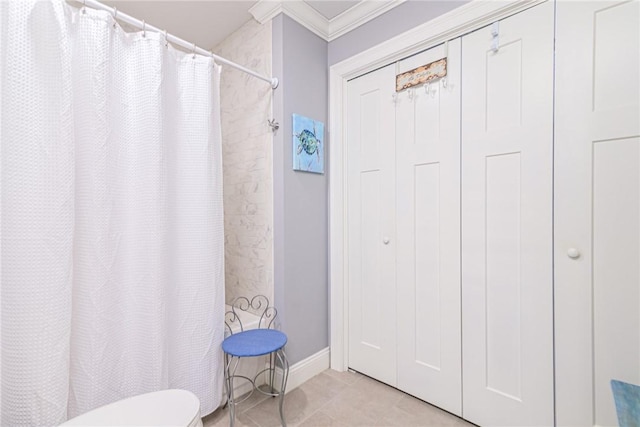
[(597, 207), (507, 297), (428, 234), (371, 225), (503, 286)]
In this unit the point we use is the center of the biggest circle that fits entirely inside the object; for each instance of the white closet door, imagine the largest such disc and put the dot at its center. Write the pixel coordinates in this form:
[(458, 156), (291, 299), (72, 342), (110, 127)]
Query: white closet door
[(428, 228), (507, 297), (371, 225), (597, 207)]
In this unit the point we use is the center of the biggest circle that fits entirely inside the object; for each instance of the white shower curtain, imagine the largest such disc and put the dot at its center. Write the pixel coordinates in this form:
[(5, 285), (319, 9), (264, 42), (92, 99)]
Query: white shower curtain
[(112, 230)]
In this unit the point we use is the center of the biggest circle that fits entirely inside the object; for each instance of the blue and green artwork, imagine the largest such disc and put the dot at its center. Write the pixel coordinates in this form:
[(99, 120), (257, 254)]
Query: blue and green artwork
[(308, 144)]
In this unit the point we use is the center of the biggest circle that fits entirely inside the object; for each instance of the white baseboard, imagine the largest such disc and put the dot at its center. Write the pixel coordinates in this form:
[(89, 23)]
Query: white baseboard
[(306, 369)]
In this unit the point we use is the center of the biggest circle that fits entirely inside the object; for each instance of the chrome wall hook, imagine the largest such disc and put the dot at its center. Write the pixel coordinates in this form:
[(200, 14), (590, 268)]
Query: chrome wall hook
[(429, 90), (495, 37), (273, 125)]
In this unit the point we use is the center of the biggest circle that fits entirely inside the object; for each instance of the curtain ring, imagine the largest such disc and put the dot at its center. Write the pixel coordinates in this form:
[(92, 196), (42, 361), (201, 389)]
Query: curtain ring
[(84, 7), (144, 29), (194, 51), (115, 17), (166, 39), (215, 63)]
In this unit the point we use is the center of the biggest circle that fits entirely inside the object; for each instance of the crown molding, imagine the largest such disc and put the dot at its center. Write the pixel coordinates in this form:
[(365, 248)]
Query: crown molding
[(264, 10), (307, 16), (358, 15), (314, 21), (299, 11)]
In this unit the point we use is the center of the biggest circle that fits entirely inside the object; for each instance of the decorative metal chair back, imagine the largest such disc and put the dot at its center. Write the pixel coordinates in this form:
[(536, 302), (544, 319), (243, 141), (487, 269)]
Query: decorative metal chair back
[(258, 306)]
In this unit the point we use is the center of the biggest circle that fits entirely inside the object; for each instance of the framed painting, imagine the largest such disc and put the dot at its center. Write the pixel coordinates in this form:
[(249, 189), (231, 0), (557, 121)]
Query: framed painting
[(308, 144)]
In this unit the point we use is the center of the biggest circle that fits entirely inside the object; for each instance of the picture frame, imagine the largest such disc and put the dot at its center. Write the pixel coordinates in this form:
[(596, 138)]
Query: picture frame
[(308, 144)]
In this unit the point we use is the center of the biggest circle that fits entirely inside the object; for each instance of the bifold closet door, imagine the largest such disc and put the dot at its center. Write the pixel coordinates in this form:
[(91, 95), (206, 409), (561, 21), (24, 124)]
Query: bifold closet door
[(597, 207), (507, 297), (370, 174), (428, 233), (404, 230)]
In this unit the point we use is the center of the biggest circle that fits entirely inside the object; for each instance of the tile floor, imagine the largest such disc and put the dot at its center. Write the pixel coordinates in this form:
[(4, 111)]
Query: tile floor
[(338, 399)]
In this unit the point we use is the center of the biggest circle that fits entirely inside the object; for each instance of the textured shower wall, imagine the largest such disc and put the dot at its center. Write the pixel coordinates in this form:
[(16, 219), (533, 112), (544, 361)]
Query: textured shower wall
[(247, 163)]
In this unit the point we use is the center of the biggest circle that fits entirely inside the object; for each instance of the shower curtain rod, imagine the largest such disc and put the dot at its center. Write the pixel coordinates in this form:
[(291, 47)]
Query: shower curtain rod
[(142, 25)]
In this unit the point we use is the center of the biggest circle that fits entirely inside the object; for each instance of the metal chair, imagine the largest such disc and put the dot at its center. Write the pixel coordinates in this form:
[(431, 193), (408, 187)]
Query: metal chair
[(261, 341)]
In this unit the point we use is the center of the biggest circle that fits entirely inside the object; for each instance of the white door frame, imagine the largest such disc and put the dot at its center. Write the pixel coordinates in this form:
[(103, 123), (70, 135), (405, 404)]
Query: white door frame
[(467, 18)]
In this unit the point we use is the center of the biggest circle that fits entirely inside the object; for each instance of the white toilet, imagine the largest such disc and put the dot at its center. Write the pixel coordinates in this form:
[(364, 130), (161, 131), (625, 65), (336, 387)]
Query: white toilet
[(160, 408)]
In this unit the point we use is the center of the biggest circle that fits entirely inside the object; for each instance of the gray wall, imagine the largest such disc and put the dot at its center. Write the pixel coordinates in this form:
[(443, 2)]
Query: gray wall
[(300, 198), (398, 20)]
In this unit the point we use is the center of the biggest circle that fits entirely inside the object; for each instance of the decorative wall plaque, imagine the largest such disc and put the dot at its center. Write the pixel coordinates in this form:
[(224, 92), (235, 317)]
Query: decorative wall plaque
[(421, 75), (308, 144)]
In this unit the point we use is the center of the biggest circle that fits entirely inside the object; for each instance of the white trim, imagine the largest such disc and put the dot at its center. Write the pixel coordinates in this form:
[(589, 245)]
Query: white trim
[(305, 369), (314, 21), (455, 23), (338, 242), (264, 11), (299, 11), (308, 17), (359, 14)]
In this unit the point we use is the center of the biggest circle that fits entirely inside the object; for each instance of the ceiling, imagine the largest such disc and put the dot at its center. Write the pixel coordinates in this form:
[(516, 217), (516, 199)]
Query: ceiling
[(330, 8), (208, 22)]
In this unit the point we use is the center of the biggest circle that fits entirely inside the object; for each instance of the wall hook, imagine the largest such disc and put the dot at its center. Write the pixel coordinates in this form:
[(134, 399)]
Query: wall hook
[(495, 36), (273, 124)]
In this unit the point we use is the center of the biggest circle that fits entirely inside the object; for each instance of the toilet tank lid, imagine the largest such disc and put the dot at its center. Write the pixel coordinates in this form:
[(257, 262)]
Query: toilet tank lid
[(159, 408)]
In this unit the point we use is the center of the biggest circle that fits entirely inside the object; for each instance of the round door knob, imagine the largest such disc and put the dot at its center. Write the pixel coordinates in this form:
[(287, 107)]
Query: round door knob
[(573, 253), (385, 240)]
